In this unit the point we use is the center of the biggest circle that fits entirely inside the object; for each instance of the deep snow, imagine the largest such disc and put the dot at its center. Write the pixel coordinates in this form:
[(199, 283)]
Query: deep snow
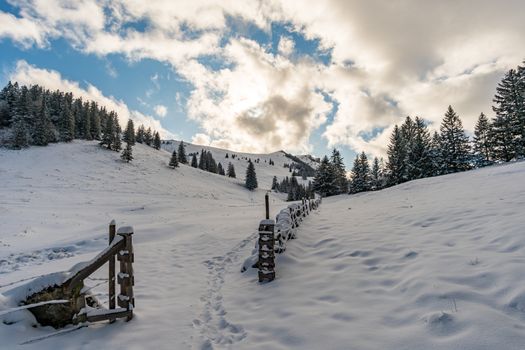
[(431, 264)]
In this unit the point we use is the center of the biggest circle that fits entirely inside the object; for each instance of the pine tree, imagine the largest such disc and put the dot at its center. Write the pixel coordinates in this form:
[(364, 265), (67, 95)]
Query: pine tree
[(41, 127), (67, 124), (211, 164), (418, 152), (20, 136), (174, 161), (148, 137), (510, 109), (182, 153), (325, 181), (275, 184), (156, 141), (86, 122), (127, 153), (108, 132), (94, 121), (139, 137), (396, 166), (483, 146), (375, 176), (339, 171), (220, 169), (454, 143), (202, 160), (194, 162), (251, 177), (436, 155), (360, 174), (129, 133), (116, 143), (231, 171)]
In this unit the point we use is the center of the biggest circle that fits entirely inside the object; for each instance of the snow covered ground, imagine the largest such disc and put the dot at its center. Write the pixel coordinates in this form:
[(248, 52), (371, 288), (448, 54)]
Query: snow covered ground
[(431, 264)]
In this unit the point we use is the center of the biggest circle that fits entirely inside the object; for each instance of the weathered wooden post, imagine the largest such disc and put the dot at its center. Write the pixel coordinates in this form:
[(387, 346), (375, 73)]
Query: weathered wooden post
[(111, 281), (125, 277), (267, 205), (266, 251)]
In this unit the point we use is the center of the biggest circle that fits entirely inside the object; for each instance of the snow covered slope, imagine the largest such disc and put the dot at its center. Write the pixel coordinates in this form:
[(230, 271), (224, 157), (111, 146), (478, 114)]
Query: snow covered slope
[(265, 172), (56, 203), (431, 264)]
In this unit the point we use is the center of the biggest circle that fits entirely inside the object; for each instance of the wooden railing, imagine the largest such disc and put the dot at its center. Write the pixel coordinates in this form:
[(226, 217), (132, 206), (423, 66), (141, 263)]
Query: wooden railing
[(274, 234), (73, 293), (121, 246)]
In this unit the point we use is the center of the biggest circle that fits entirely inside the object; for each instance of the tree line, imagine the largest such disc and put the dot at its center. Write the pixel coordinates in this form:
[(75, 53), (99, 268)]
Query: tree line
[(414, 153)]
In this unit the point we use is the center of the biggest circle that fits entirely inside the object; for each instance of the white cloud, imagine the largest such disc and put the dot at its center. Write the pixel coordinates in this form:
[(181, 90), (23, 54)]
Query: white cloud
[(161, 110), (286, 46), (27, 74), (389, 60)]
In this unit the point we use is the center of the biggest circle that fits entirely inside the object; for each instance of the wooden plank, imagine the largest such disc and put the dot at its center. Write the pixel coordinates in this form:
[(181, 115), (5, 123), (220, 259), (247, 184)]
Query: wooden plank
[(108, 315), (95, 263), (111, 283)]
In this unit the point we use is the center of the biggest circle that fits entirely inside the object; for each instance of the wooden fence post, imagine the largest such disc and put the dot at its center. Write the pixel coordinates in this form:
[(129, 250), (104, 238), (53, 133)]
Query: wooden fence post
[(125, 277), (111, 281), (266, 251), (267, 205)]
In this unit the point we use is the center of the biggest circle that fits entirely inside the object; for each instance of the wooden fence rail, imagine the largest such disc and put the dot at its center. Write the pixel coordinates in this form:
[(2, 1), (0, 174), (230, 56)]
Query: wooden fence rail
[(73, 290), (274, 234)]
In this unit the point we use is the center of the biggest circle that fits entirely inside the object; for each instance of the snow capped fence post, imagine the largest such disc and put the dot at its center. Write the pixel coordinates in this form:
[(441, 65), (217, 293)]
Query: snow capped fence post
[(266, 251), (111, 281), (125, 277)]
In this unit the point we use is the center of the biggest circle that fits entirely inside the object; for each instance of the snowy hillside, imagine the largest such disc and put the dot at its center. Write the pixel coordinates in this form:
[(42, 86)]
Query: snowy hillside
[(265, 172), (431, 264)]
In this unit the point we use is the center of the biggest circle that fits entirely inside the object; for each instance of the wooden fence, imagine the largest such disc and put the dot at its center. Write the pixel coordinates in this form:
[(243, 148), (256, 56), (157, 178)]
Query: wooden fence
[(121, 246), (76, 305), (274, 234)]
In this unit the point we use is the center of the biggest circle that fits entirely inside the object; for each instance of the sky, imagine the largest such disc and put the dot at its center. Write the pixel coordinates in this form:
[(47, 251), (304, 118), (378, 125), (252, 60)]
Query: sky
[(261, 76)]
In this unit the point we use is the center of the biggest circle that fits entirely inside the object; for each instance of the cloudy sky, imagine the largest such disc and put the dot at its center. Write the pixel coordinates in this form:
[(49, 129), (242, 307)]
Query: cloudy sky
[(260, 76)]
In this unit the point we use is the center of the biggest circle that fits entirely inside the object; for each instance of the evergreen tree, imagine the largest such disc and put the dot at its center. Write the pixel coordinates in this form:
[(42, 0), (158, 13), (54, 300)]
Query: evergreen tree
[(376, 176), (127, 153), (454, 143), (108, 132), (251, 177), (325, 181), (483, 147), (211, 164), (436, 155), (220, 169), (339, 171), (20, 136), (67, 124), (174, 161), (231, 171), (360, 174), (41, 129), (116, 143), (86, 122), (156, 141), (396, 166), (129, 133), (419, 158), (94, 121), (194, 162), (202, 160), (182, 153), (510, 109), (502, 138), (148, 137), (275, 184), (139, 137)]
